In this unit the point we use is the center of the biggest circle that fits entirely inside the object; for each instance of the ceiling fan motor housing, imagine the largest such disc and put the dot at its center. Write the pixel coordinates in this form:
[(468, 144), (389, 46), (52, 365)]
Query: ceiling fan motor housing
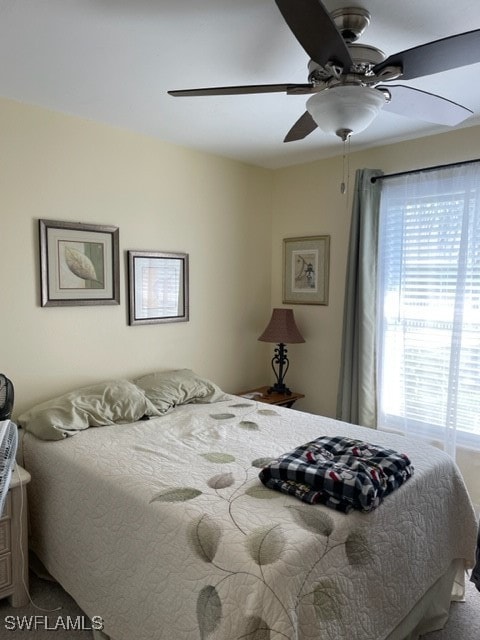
[(364, 58), (351, 22)]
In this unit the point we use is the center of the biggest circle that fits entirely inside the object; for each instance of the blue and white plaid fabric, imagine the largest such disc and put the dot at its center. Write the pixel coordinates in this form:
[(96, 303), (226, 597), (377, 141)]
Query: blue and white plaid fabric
[(339, 472)]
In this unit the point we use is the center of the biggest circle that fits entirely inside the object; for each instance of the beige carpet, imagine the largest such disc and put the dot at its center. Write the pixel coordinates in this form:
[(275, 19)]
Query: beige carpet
[(45, 623), (464, 622)]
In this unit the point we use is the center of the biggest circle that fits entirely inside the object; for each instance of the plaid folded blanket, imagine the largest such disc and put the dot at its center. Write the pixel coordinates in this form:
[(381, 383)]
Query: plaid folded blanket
[(338, 472)]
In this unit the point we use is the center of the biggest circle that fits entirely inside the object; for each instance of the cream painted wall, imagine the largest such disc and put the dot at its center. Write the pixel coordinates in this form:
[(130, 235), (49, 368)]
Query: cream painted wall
[(230, 218), (307, 201), (162, 198)]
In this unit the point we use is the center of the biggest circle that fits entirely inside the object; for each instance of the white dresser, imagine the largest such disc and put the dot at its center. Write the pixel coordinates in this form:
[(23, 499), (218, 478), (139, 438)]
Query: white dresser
[(14, 541)]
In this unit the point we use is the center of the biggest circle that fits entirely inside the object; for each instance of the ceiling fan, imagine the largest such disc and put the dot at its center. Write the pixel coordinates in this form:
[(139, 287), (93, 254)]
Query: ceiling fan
[(347, 79)]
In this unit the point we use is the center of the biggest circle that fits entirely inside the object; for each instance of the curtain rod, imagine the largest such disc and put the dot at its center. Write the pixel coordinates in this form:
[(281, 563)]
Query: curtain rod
[(406, 173)]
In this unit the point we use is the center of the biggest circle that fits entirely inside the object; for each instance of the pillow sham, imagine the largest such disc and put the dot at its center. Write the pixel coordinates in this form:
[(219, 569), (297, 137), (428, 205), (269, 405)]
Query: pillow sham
[(167, 389), (98, 405)]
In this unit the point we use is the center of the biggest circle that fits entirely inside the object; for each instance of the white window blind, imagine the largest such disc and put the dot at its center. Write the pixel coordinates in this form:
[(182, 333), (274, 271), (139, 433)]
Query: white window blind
[(429, 305)]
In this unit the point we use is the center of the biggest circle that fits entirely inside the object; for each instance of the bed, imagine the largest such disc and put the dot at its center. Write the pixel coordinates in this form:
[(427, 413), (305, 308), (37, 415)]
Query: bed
[(162, 528)]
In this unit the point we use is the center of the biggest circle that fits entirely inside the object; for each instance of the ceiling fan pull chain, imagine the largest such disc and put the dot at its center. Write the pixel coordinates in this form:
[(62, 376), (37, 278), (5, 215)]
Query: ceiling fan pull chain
[(344, 186), (348, 162), (346, 165)]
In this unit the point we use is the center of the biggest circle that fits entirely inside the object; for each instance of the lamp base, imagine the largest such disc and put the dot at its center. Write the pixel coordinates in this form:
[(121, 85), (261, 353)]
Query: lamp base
[(280, 388)]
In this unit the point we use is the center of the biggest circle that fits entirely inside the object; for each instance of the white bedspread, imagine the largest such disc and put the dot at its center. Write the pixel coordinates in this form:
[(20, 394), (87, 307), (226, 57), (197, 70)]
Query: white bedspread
[(163, 529)]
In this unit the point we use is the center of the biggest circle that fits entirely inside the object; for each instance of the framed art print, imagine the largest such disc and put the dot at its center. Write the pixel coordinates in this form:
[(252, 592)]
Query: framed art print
[(306, 270), (158, 287), (79, 263)]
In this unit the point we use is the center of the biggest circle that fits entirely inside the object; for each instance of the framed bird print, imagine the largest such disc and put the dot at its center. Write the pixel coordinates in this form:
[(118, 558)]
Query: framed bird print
[(306, 270)]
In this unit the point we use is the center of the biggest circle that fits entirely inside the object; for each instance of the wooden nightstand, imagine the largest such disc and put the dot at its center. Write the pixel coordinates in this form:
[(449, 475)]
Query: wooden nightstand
[(280, 399), (13, 541)]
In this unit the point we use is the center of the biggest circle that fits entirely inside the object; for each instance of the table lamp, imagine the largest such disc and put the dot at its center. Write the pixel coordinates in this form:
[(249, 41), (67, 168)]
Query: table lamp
[(282, 330)]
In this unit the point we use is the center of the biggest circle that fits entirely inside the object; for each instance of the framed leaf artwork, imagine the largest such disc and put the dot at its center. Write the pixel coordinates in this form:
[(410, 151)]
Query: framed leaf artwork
[(79, 264)]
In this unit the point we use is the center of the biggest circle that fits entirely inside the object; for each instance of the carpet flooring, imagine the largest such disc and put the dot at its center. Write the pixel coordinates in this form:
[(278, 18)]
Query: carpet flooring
[(463, 624), (464, 620), (50, 609)]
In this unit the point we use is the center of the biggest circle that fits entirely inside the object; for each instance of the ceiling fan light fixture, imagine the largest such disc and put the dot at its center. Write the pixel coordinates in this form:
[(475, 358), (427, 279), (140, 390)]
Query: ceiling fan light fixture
[(345, 107)]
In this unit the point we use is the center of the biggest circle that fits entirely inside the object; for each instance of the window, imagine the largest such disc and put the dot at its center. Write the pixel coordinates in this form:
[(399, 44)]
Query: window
[(429, 305)]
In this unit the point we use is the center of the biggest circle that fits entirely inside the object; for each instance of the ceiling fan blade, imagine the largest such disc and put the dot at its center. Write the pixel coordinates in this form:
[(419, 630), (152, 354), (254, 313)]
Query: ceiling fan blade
[(407, 101), (302, 128), (254, 88), (313, 27), (433, 57)]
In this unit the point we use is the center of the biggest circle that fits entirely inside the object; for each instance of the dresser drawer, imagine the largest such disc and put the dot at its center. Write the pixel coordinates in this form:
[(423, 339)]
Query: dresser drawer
[(5, 571), (14, 541), (5, 536), (7, 509)]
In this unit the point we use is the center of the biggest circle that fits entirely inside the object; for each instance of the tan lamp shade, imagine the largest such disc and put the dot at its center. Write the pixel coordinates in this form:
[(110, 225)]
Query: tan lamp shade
[(282, 328)]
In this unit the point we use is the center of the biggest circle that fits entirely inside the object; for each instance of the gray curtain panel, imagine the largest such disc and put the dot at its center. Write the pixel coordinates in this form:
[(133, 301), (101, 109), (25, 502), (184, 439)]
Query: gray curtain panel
[(475, 577), (356, 401)]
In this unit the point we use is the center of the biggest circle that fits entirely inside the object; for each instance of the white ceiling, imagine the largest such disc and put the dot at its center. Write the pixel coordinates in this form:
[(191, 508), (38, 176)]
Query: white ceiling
[(114, 60)]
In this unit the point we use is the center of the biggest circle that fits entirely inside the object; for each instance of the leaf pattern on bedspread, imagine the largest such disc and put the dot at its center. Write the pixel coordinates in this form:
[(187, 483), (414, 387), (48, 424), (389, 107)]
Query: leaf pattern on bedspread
[(265, 545), (267, 412), (241, 405), (178, 494), (357, 549), (202, 550), (325, 600), (259, 463), (312, 519), (249, 425), (262, 493), (221, 481), (209, 611), (256, 629), (204, 535)]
